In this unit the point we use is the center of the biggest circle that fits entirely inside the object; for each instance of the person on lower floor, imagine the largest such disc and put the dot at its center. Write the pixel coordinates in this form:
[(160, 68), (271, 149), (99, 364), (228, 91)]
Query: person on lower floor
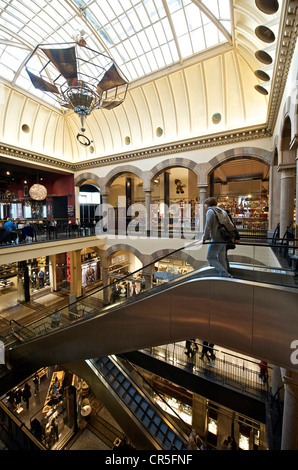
[(205, 351), (191, 347)]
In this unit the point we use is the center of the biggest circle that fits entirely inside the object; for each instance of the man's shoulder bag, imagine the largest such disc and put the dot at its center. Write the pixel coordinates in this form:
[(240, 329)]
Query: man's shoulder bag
[(227, 234)]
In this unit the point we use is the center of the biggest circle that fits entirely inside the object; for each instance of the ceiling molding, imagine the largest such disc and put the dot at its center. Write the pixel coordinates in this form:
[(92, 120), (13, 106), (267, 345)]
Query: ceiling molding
[(232, 137)]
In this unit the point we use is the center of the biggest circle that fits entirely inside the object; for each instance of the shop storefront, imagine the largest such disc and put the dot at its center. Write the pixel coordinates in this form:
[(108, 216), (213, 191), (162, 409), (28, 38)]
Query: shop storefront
[(91, 272), (52, 404), (249, 212), (174, 266)]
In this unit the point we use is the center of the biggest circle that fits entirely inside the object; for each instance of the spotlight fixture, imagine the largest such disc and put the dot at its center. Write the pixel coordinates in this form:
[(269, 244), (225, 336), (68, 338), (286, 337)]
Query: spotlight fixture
[(78, 77)]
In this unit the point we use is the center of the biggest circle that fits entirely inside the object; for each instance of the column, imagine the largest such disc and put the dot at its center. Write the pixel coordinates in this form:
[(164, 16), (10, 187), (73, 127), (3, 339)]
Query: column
[(296, 227), (105, 277), (148, 211), (23, 282), (274, 199), (147, 271), (53, 273), (202, 217), (75, 273), (199, 415), (289, 439), (287, 181)]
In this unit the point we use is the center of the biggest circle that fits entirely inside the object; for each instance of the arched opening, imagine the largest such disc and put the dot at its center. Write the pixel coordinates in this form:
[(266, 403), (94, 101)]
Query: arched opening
[(89, 199), (241, 185), (175, 196), (120, 264)]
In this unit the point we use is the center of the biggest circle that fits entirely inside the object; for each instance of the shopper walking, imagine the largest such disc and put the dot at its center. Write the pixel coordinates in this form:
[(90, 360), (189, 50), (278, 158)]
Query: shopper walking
[(263, 371), (27, 394), (36, 384), (205, 351), (191, 347), (216, 253)]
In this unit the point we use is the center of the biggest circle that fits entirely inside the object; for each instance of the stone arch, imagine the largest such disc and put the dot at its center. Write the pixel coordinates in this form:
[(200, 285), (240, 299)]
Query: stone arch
[(171, 163), (81, 178), (124, 247), (287, 155), (262, 155), (119, 170)]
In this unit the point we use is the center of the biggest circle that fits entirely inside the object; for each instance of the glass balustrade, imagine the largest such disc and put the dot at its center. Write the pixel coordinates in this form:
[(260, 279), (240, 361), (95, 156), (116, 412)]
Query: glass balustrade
[(257, 262)]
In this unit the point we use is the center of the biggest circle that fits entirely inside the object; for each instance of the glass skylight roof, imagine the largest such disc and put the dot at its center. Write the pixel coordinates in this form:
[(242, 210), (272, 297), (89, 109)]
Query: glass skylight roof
[(141, 36)]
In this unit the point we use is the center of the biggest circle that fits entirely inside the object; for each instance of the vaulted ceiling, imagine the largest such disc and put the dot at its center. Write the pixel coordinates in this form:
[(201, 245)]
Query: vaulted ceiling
[(191, 67)]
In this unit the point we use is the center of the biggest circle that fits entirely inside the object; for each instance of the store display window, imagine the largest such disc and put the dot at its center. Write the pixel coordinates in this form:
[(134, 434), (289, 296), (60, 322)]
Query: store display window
[(212, 427), (39, 274), (249, 212), (175, 407)]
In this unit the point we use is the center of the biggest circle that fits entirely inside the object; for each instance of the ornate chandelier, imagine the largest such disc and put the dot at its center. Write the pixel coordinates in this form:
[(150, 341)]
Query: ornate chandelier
[(78, 77)]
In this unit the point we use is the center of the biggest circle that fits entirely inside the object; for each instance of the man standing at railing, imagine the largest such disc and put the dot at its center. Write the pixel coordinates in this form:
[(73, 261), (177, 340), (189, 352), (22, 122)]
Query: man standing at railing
[(216, 253)]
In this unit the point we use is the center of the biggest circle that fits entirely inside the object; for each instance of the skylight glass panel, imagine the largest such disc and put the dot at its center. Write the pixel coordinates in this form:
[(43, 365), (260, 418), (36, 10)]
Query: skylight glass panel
[(145, 64), (166, 52), (185, 45), (227, 25), (126, 4), (109, 35), (224, 9), (6, 72), (151, 37), (151, 59), (180, 23), (144, 41), (137, 45), (174, 5), (99, 14), (107, 9), (193, 16), (151, 10), (167, 29), (117, 7), (213, 7), (134, 20), (160, 33), (11, 18), (174, 51), (138, 67), (141, 12), (160, 8), (119, 29), (126, 24), (129, 48), (198, 40), (211, 34)]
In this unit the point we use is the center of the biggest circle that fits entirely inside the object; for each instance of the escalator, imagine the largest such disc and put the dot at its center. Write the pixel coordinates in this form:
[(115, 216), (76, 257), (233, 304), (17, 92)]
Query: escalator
[(146, 424), (254, 313)]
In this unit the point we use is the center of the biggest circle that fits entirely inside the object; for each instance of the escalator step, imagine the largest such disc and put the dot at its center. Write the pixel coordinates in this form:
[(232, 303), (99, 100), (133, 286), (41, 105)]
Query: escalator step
[(150, 412), (160, 436), (146, 421), (144, 405), (152, 428), (163, 427), (133, 406), (157, 420), (137, 398), (126, 384), (132, 391), (140, 413), (178, 444), (127, 398)]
